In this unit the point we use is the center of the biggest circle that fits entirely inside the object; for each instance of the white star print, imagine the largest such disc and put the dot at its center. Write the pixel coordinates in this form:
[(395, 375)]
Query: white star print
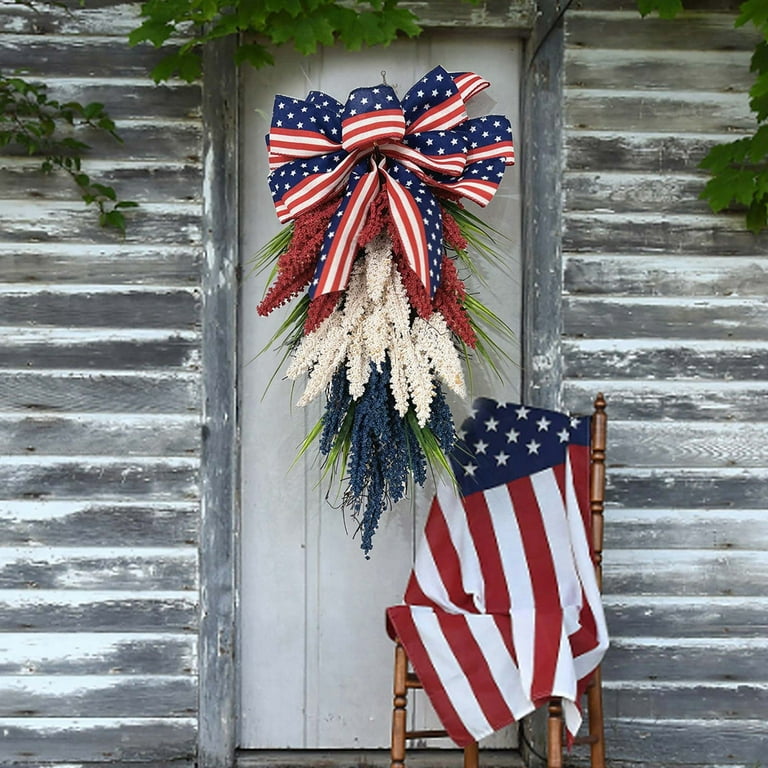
[(470, 469), (522, 412), (481, 447), (501, 459), (543, 424), (533, 447), (491, 424), (512, 436)]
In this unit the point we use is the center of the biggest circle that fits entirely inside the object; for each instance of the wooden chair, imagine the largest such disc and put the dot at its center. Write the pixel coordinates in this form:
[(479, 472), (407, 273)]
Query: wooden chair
[(405, 679)]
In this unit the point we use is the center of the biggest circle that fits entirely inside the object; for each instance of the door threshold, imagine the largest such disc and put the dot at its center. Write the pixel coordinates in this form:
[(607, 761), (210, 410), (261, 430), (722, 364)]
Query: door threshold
[(371, 758)]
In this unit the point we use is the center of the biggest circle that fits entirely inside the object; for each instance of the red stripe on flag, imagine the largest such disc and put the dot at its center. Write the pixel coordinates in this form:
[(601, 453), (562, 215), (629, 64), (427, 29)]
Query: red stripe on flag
[(546, 594), (484, 536), (297, 143), (406, 631), (446, 559), (470, 657), (451, 165)]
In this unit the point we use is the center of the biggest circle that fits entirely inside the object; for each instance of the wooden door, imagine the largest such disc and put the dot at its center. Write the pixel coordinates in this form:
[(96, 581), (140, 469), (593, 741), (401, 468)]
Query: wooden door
[(315, 661)]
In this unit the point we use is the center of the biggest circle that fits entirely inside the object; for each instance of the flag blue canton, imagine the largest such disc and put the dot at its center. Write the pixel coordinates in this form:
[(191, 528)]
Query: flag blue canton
[(501, 442)]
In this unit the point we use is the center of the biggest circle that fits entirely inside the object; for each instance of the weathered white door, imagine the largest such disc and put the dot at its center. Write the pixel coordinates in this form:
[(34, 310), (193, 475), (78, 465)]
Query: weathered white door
[(315, 661)]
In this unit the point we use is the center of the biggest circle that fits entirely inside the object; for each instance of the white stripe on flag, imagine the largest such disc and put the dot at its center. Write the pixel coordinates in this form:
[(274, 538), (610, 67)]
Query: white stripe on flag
[(518, 577), (429, 579), (448, 669), (506, 675), (553, 516), (456, 519)]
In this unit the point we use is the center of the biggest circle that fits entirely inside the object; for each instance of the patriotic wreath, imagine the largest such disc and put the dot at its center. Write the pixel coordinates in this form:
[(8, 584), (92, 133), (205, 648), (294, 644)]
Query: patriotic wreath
[(371, 191)]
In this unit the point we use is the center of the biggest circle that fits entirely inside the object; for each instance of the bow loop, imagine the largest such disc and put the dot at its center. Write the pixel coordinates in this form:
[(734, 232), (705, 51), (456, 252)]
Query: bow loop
[(301, 128), (434, 103), (370, 117)]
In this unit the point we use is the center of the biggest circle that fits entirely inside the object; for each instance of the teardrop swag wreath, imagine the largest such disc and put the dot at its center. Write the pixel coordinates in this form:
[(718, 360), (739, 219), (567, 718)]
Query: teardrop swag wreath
[(372, 191)]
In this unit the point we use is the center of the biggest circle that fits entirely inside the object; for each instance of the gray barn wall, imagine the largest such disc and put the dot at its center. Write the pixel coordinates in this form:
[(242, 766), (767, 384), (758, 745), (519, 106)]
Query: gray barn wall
[(99, 413), (665, 309)]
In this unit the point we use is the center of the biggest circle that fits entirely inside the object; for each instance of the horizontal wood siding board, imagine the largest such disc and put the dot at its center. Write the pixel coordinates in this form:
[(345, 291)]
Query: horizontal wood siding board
[(93, 56), (667, 360), (688, 488), (633, 275), (35, 610), (102, 265), (126, 98), (91, 477), (142, 183), (97, 696), (157, 435), (143, 140), (638, 193), (75, 568), (648, 110), (670, 399), (673, 741), (97, 653), (668, 318), (72, 740), (696, 6), (100, 17), (671, 234), (688, 444), (38, 352), (698, 700), (685, 572), (625, 30), (612, 150), (99, 524), (166, 308), (715, 529), (124, 392), (500, 14), (53, 221), (686, 617), (627, 70), (711, 659)]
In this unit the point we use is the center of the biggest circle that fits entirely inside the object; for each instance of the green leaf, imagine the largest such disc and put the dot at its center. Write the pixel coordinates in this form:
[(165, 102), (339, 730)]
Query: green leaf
[(757, 214), (114, 219), (256, 55), (153, 31), (755, 11), (667, 9)]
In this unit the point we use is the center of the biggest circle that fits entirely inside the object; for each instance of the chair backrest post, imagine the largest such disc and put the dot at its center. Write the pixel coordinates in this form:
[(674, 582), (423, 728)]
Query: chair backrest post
[(597, 482)]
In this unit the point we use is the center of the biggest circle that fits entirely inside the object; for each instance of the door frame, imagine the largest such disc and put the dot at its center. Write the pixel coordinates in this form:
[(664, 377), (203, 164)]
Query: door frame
[(220, 282)]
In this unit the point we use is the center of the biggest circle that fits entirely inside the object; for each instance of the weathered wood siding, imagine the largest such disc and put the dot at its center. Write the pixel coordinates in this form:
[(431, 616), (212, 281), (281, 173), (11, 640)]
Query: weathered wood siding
[(100, 412), (665, 309)]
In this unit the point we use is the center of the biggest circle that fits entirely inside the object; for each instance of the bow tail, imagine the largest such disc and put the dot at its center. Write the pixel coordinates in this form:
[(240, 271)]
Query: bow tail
[(417, 219), (340, 244)]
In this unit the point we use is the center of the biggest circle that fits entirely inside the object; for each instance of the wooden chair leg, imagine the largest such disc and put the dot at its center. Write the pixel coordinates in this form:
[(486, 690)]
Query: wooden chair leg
[(471, 755), (399, 714), (596, 723), (555, 734)]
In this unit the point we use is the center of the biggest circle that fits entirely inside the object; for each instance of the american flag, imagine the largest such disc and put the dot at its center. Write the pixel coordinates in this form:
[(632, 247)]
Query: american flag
[(502, 609)]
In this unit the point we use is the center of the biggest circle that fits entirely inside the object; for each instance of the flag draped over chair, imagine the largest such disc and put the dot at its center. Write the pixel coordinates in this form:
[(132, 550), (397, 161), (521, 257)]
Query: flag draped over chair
[(502, 609)]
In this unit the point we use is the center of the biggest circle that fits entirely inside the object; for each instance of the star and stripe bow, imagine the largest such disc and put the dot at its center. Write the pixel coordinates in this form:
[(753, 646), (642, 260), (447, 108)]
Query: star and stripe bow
[(412, 148)]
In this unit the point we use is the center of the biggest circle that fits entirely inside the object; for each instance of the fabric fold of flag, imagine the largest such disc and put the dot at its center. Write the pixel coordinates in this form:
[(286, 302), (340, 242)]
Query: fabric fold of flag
[(502, 609)]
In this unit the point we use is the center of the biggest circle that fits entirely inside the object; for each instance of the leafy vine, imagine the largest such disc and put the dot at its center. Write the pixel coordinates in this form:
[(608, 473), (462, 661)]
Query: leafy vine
[(739, 168)]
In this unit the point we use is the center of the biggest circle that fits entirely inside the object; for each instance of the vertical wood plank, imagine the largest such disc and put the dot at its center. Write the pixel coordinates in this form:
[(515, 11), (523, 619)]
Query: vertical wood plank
[(542, 209), (216, 739)]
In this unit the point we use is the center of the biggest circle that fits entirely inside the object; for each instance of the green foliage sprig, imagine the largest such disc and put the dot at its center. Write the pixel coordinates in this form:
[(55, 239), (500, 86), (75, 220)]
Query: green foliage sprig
[(739, 168), (30, 118), (306, 24)]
